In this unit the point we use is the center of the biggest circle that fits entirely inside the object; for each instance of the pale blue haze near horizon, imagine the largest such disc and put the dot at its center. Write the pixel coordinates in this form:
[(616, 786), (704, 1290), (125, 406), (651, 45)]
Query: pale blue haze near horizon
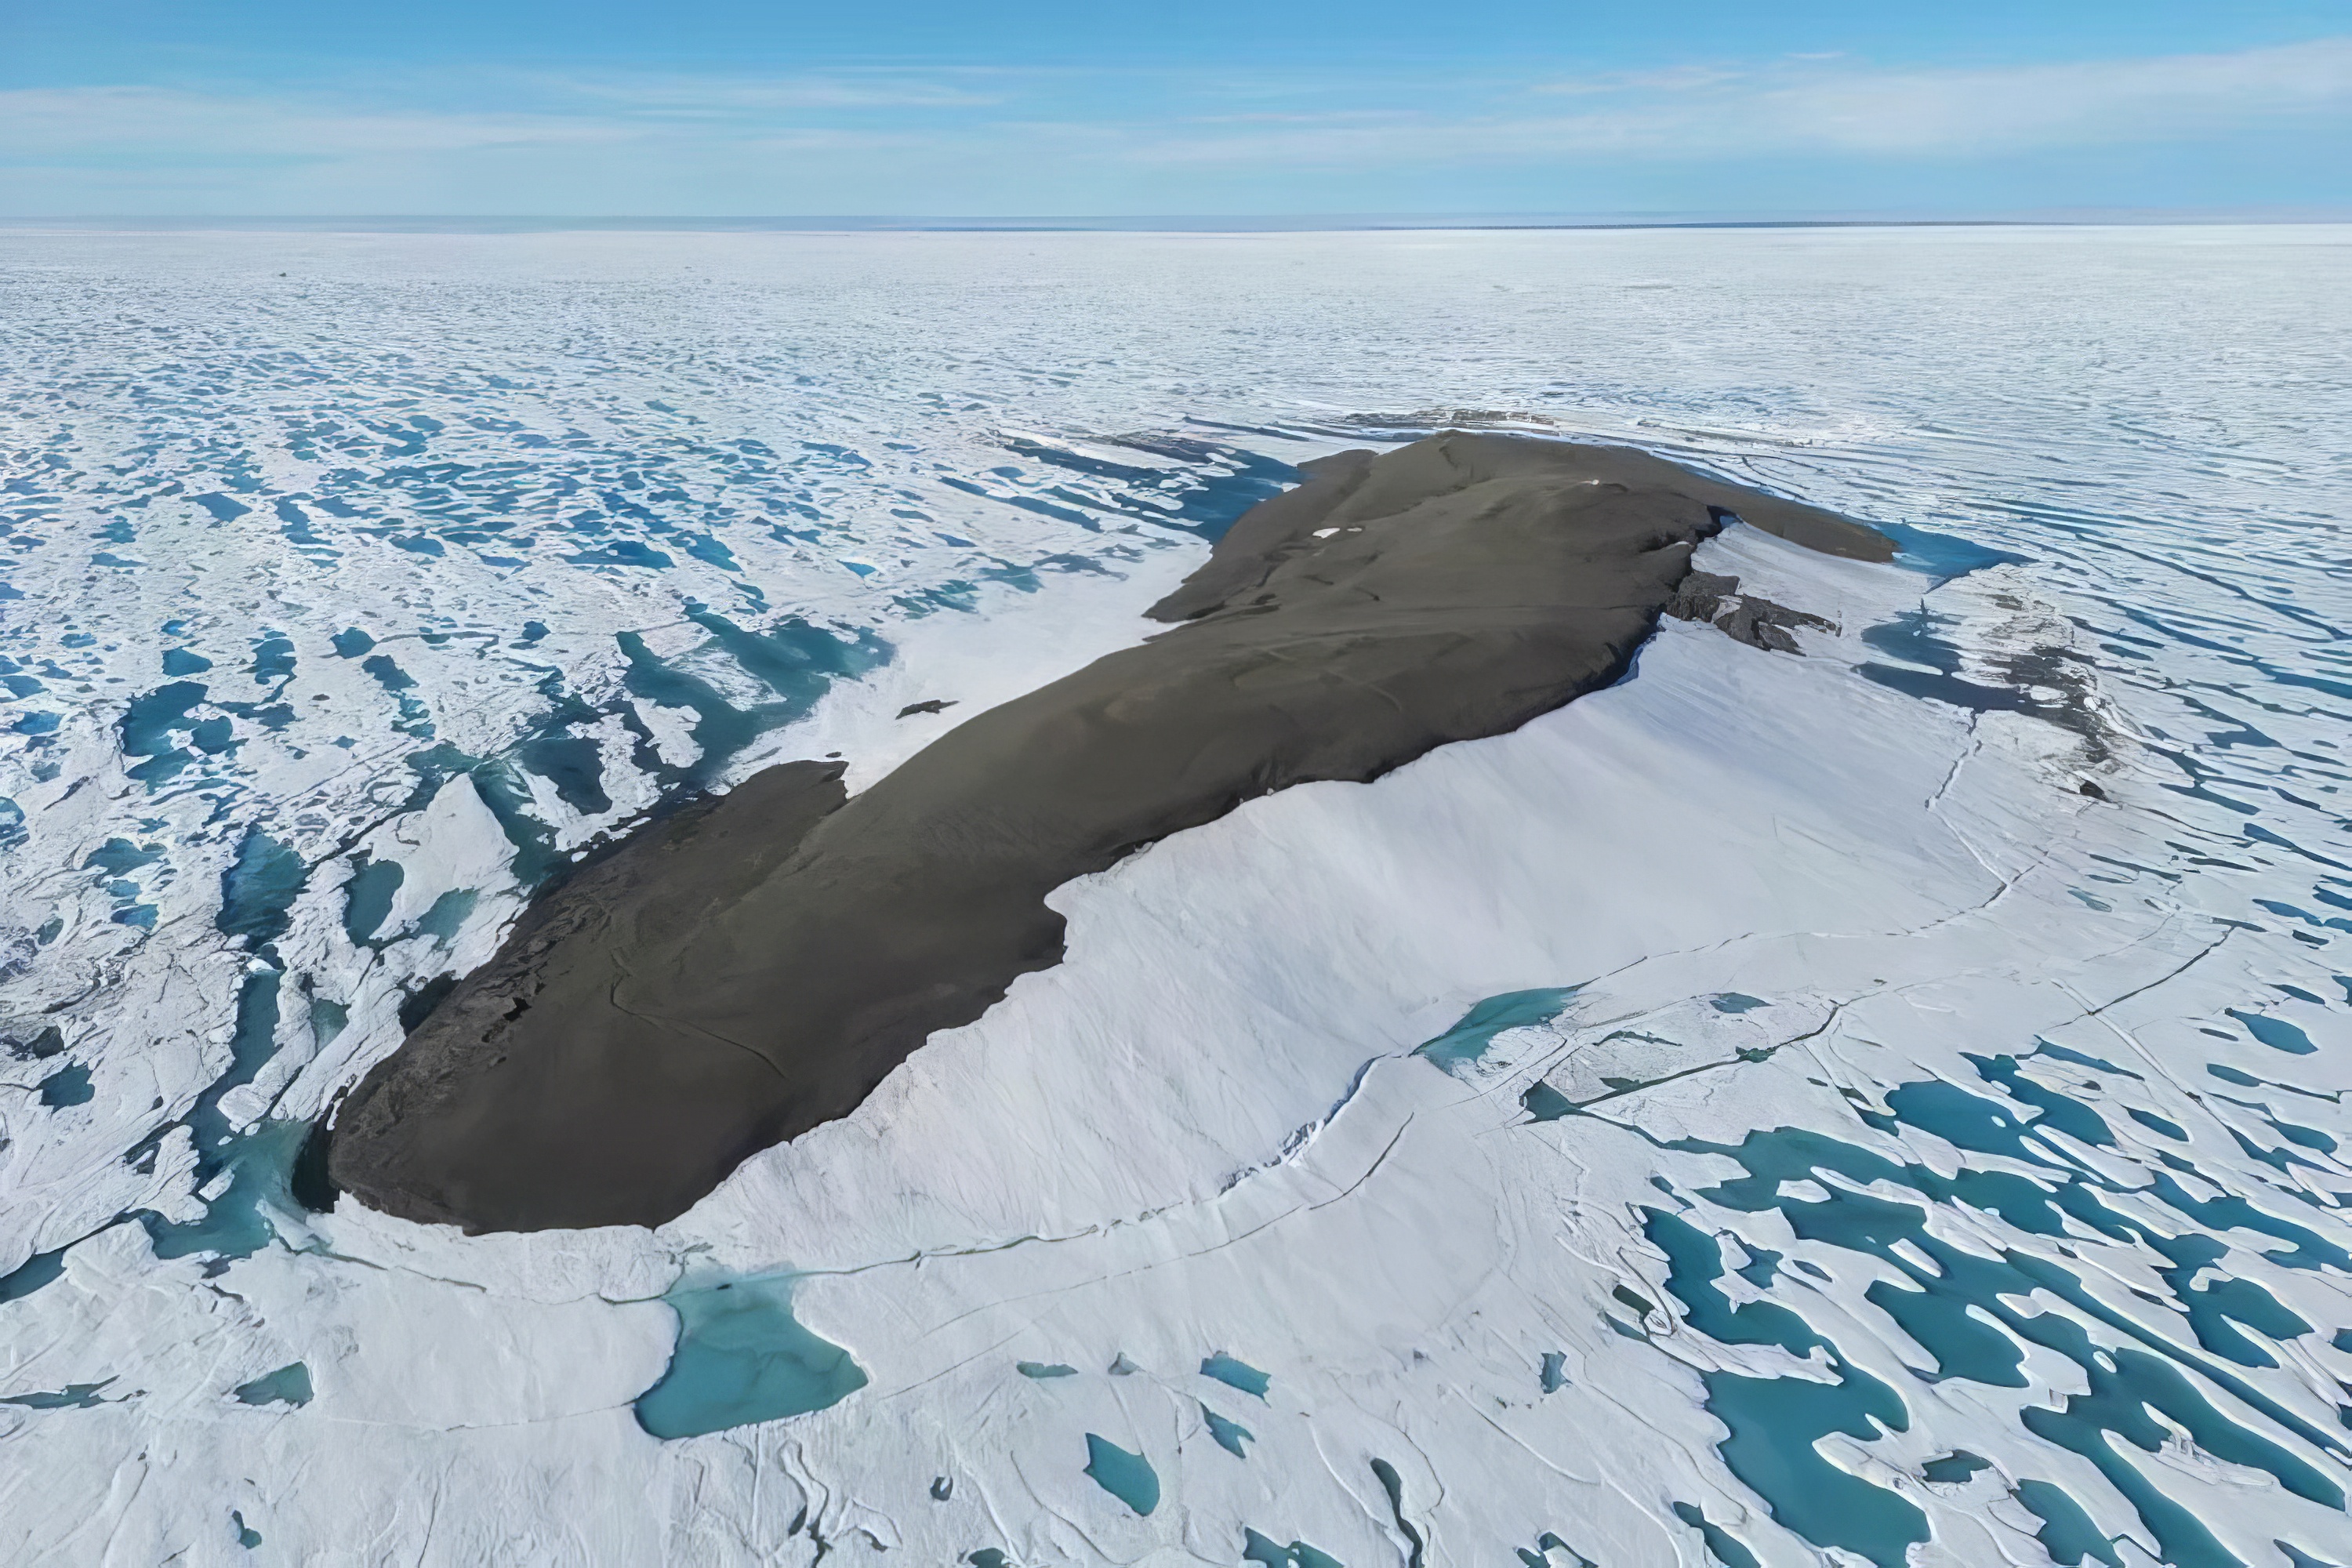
[(1820, 108)]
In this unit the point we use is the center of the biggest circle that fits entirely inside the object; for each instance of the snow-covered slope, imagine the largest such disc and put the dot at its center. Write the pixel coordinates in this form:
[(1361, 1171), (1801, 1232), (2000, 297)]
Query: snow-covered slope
[(1768, 1108)]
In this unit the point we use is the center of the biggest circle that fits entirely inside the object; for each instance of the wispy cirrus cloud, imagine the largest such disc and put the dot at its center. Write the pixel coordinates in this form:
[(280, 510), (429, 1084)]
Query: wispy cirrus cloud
[(859, 89), (1674, 79), (443, 115), (1059, 139), (1975, 110), (124, 123), (1840, 108)]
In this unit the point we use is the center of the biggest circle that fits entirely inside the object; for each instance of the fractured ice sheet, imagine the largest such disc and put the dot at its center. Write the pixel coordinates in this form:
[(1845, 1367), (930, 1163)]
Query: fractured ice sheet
[(1857, 1137)]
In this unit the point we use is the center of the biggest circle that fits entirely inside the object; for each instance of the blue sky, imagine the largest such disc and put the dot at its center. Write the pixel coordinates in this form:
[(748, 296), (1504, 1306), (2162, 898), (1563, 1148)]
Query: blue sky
[(717, 108)]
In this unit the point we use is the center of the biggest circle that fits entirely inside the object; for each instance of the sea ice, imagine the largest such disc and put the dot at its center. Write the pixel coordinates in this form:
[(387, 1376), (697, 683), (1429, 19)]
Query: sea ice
[(1926, 1144)]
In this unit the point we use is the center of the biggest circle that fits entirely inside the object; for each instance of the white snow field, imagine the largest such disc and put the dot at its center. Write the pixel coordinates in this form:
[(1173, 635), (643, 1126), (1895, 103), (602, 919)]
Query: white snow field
[(1879, 1106)]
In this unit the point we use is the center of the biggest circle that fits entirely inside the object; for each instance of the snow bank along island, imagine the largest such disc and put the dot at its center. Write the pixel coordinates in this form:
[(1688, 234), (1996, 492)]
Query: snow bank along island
[(753, 966)]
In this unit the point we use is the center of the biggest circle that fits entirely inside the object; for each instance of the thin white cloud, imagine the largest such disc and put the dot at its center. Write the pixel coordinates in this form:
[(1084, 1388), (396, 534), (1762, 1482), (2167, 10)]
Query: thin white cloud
[(1319, 119), (1813, 109), (126, 123), (846, 90), (175, 126), (1674, 79), (892, 137), (1821, 105), (1945, 111)]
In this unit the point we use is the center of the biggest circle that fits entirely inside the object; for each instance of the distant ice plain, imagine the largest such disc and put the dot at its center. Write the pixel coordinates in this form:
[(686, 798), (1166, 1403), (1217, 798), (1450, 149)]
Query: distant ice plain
[(1204, 1133)]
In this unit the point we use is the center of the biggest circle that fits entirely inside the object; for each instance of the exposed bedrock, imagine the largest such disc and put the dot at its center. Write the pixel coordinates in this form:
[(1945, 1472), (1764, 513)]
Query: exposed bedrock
[(1757, 622), (752, 966)]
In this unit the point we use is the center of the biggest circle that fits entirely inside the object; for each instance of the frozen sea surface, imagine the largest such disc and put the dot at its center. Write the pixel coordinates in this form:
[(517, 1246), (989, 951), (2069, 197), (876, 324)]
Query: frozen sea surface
[(1883, 1106)]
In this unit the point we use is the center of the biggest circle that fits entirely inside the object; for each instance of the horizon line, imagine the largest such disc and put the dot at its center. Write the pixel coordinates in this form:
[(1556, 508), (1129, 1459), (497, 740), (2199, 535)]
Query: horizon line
[(2267, 216)]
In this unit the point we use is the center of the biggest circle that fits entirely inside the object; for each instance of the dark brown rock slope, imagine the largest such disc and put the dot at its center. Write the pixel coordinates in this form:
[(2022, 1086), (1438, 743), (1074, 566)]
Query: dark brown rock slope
[(752, 967)]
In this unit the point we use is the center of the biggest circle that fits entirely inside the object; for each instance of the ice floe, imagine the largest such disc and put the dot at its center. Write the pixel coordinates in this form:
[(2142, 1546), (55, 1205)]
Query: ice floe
[(1878, 1105)]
